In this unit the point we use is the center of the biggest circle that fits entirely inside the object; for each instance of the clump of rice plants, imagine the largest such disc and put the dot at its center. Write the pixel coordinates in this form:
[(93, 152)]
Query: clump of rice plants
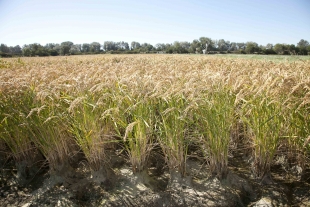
[(134, 120), (298, 139), (50, 133), (265, 121), (15, 133), (92, 134), (172, 122), (139, 134), (139, 122), (298, 133), (214, 117)]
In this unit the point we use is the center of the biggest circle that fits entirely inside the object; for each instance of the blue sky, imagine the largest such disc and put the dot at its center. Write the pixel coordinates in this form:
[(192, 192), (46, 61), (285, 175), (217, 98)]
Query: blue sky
[(162, 21)]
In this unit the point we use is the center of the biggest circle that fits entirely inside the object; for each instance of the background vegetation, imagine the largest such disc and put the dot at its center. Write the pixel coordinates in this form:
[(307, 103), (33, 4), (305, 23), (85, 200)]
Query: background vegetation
[(196, 46)]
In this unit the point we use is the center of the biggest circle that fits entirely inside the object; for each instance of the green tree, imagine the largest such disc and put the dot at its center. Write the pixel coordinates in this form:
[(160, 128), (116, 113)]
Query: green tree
[(206, 40), (176, 47), (135, 45), (241, 45), (75, 49), (280, 48), (233, 46), (185, 46), (195, 47), (85, 47), (4, 48), (109, 46), (65, 47), (26, 51), (35, 49), (50, 46), (303, 47), (251, 47), (95, 47), (269, 46), (160, 47), (303, 43), (53, 52), (17, 50), (146, 47), (222, 45)]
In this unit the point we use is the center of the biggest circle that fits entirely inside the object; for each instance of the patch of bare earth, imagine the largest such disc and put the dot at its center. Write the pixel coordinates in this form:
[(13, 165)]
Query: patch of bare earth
[(153, 188)]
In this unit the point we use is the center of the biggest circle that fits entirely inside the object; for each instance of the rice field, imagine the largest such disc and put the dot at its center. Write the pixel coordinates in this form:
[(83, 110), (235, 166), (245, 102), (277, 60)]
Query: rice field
[(51, 108)]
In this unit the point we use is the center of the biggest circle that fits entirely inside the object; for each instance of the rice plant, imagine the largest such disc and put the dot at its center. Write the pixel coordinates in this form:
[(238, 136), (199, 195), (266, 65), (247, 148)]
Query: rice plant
[(214, 117), (92, 133), (265, 121), (15, 133), (13, 127), (298, 133), (49, 132), (171, 133), (139, 134)]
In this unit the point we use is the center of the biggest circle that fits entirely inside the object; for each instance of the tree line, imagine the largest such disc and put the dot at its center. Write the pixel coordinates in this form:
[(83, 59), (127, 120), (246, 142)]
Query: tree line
[(201, 45)]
